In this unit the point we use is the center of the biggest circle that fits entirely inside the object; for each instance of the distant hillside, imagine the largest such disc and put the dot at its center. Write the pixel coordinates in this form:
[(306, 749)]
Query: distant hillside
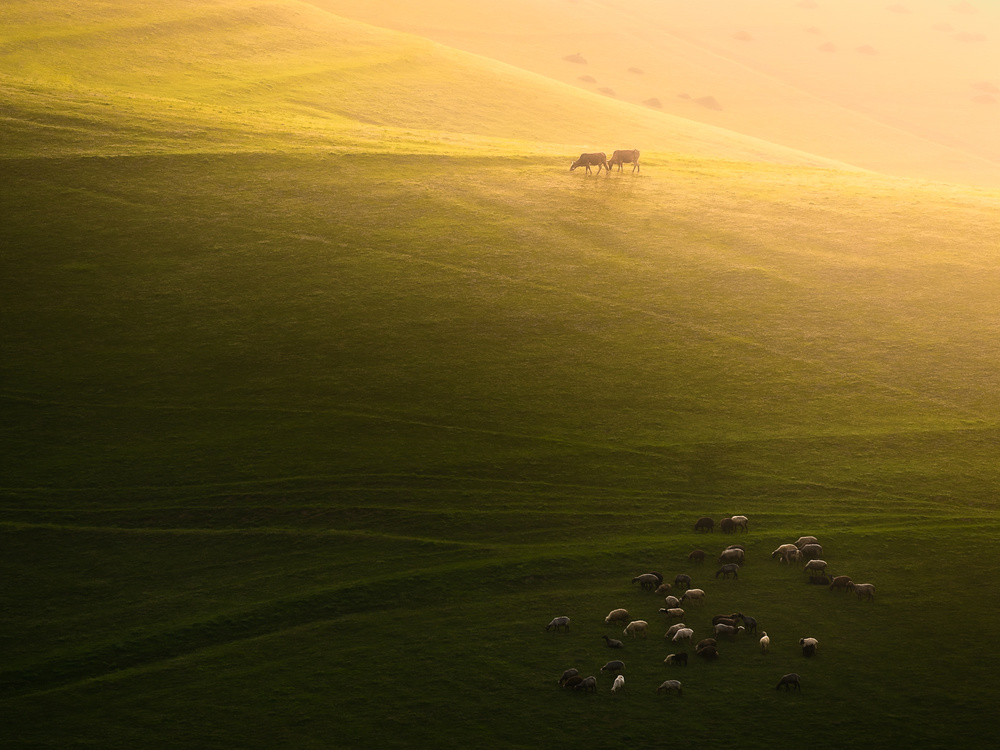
[(908, 89), (285, 75)]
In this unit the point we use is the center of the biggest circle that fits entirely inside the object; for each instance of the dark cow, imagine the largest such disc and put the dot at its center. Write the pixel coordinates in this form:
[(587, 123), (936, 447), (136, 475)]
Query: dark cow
[(598, 160), (630, 156)]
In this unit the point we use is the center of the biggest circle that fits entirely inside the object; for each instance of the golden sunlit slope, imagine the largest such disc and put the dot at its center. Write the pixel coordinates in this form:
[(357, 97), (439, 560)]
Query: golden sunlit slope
[(90, 77), (908, 88)]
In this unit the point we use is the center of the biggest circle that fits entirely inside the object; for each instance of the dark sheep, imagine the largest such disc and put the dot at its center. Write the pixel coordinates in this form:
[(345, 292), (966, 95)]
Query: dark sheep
[(709, 652), (567, 674), (648, 581), (749, 623), (812, 551), (697, 556), (612, 643), (841, 582), (727, 525), (789, 681), (558, 622), (705, 643), (732, 619), (682, 579), (680, 659), (613, 666), (728, 570), (819, 580), (573, 681), (704, 524), (589, 684)]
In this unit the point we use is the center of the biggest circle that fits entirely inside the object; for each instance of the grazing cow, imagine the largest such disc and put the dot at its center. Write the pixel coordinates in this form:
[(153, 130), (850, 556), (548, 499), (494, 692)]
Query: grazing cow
[(625, 157), (598, 160)]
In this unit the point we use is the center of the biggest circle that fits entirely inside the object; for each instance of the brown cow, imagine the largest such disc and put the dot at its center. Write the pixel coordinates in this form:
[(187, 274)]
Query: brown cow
[(630, 156), (598, 160)]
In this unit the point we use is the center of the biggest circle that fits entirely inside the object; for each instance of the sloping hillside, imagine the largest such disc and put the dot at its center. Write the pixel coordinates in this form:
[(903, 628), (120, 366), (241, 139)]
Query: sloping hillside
[(907, 89), (285, 75)]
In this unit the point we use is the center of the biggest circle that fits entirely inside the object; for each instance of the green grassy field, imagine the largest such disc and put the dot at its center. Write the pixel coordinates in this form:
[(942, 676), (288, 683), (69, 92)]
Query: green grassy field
[(304, 449)]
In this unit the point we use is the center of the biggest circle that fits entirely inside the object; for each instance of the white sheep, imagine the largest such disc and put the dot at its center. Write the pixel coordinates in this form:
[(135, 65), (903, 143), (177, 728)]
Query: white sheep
[(804, 540), (619, 684), (765, 643), (672, 630), (558, 622), (812, 565), (684, 634), (636, 626), (741, 521), (722, 628), (673, 613), (809, 646), (791, 556), (865, 591), (780, 552), (669, 685), (663, 588), (616, 614), (693, 595), (672, 601)]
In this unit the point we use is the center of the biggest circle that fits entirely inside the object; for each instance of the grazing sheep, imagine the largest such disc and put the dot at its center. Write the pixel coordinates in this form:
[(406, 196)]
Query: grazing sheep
[(791, 556), (789, 681), (841, 582), (737, 546), (558, 622), (812, 551), (722, 628), (647, 581), (765, 643), (679, 659), (669, 685), (732, 619), (693, 595), (809, 646), (750, 623), (779, 553), (709, 652), (741, 522), (734, 555), (662, 588), (619, 685), (673, 612), (865, 591), (589, 684), (705, 643), (697, 556), (616, 615), (614, 666), (672, 601), (732, 569), (704, 524), (682, 579), (684, 634), (727, 525), (567, 674), (815, 565), (612, 643), (803, 540), (573, 681), (672, 630), (636, 626)]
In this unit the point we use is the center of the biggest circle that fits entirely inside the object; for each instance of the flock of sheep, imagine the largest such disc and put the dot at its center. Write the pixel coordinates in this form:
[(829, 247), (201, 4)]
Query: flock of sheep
[(728, 626)]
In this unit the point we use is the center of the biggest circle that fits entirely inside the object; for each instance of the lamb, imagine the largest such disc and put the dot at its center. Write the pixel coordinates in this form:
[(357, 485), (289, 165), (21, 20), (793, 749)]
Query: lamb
[(865, 591), (672, 601), (669, 685), (612, 643), (567, 674), (682, 579), (741, 522), (817, 565), (789, 681), (636, 626), (697, 556), (614, 666), (684, 634), (803, 540), (673, 629), (765, 643), (647, 581), (673, 612), (841, 583), (619, 685), (589, 684), (558, 622), (693, 595), (705, 643), (680, 659), (732, 569), (616, 615)]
